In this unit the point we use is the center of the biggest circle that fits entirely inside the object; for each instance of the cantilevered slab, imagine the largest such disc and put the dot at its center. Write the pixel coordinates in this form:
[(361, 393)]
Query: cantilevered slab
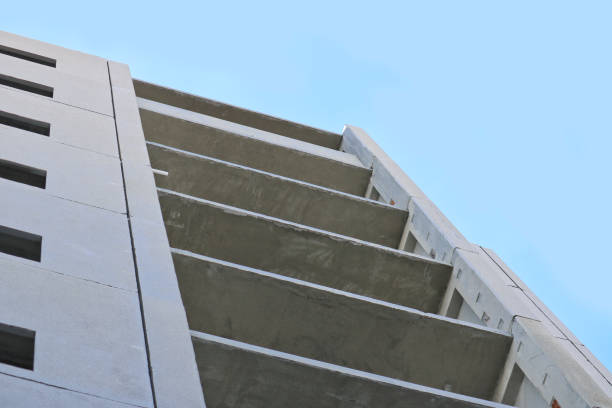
[(337, 327), (239, 375), (249, 147), (237, 115), (302, 252), (277, 196)]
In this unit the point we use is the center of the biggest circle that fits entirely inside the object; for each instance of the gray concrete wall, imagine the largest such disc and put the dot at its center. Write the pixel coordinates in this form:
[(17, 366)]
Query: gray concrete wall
[(81, 299)]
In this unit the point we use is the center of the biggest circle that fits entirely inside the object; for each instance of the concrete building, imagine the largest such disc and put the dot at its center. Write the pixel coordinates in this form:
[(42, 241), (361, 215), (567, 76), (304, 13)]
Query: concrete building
[(160, 249)]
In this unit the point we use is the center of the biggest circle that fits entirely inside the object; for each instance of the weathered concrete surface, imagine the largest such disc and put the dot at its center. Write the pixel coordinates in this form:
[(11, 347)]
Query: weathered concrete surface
[(237, 115), (277, 196), (239, 375), (251, 152), (314, 322), (301, 252)]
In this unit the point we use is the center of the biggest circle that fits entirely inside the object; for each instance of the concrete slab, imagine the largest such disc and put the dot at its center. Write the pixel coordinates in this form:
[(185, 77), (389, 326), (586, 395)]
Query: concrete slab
[(77, 347), (302, 252), (253, 377), (70, 171), (78, 240), (277, 196), (92, 95), (69, 125), (311, 321), (249, 147), (21, 393), (237, 115)]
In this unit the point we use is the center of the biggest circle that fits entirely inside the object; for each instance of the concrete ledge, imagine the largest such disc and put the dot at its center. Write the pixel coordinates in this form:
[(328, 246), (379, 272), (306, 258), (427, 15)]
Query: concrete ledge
[(302, 252), (254, 377), (311, 321), (237, 115), (277, 196), (253, 148)]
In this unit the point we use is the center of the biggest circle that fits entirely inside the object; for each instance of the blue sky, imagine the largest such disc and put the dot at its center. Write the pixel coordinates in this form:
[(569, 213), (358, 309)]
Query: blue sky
[(500, 111)]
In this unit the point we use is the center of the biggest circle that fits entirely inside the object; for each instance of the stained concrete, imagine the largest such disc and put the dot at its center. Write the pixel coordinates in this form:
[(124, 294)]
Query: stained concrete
[(237, 375), (312, 255), (237, 115), (338, 328), (251, 152), (277, 196)]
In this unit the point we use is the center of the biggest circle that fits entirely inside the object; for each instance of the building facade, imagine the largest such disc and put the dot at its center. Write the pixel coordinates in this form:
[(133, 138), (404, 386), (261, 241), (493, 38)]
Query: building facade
[(160, 249)]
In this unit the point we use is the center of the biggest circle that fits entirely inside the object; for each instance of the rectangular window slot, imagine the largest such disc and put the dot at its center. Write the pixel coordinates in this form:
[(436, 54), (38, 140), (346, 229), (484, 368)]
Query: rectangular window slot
[(20, 243), (28, 56), (23, 123), (23, 174), (17, 346), (27, 86)]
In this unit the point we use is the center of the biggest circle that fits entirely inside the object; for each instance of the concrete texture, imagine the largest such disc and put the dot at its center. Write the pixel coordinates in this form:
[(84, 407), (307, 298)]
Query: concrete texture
[(171, 361), (338, 328), (557, 368), (88, 336), (68, 124), (20, 393), (254, 153), (77, 240), (239, 375), (277, 196), (301, 252), (70, 62), (66, 168), (237, 115), (72, 90)]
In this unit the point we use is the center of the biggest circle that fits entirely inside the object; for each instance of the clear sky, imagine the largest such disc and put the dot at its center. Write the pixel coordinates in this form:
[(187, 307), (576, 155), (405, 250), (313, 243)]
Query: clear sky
[(500, 111)]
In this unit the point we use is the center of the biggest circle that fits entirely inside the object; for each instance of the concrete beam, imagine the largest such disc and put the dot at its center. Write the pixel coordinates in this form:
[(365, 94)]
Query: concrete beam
[(254, 377), (277, 196), (237, 115), (252, 148), (337, 327), (302, 252)]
